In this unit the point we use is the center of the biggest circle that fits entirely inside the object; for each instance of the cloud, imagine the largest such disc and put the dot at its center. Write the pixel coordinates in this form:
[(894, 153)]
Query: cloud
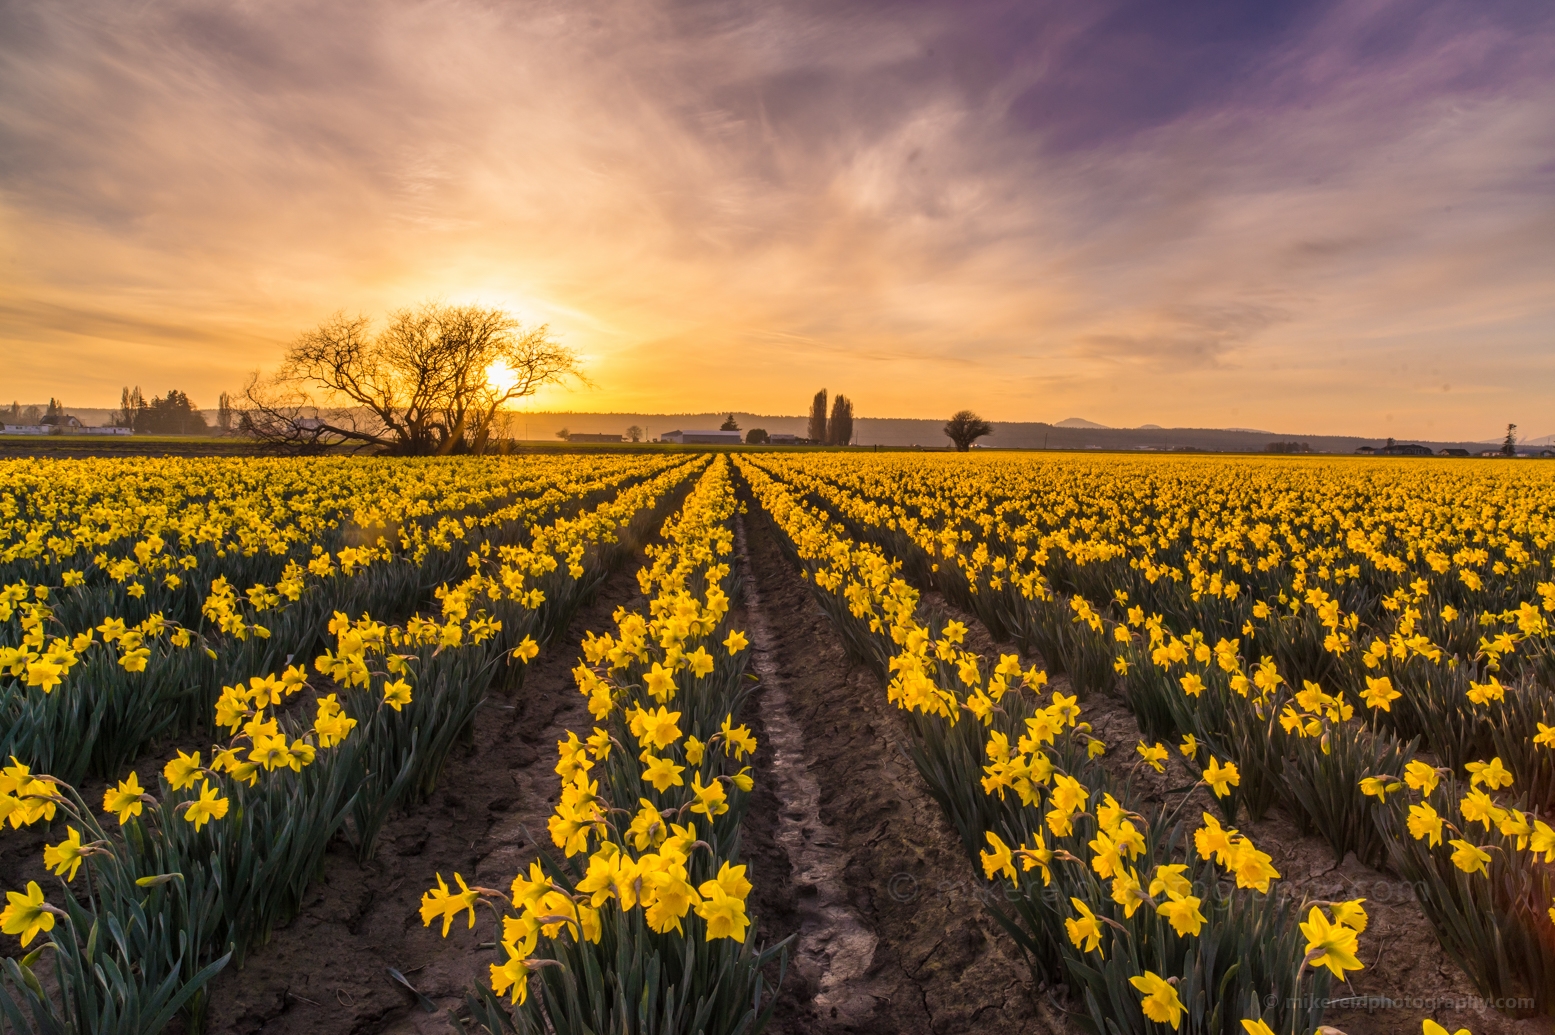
[(1185, 335), (989, 204)]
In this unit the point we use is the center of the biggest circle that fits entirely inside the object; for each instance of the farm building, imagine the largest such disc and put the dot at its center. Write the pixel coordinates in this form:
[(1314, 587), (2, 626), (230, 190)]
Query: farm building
[(703, 438)]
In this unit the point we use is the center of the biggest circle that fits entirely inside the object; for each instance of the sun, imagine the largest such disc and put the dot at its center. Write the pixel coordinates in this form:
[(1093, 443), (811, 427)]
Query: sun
[(500, 377)]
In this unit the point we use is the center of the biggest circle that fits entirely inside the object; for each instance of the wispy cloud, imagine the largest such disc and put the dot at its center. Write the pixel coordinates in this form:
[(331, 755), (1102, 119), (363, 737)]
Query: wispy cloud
[(1130, 211)]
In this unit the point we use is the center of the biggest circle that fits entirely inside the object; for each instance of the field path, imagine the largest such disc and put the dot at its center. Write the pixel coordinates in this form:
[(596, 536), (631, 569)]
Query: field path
[(891, 936)]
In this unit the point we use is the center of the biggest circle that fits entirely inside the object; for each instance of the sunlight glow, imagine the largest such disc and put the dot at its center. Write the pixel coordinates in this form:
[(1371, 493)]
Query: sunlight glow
[(501, 377)]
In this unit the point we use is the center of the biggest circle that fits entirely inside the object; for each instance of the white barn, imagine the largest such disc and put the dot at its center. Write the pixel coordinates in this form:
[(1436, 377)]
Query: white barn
[(703, 438)]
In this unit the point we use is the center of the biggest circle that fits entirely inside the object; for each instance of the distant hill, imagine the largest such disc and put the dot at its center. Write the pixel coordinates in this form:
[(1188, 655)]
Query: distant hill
[(892, 431), (1078, 422)]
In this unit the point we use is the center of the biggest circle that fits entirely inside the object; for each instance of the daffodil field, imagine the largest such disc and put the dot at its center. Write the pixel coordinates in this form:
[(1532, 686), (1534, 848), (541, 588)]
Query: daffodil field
[(245, 610), (1364, 644), (288, 652)]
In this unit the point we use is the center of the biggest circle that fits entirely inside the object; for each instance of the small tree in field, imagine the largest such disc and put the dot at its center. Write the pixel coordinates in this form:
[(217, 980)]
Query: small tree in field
[(756, 437), (634, 433), (1509, 447), (965, 428)]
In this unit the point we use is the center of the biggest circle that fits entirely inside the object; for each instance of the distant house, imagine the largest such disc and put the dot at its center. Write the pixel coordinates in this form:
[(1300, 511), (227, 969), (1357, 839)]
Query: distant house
[(60, 429), (1454, 452), (1404, 449), (703, 438), (1367, 449), (578, 436), (61, 420), (783, 438)]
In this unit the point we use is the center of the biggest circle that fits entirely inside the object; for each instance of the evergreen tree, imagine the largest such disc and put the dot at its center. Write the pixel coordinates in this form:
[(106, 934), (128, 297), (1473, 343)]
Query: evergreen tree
[(173, 414), (817, 431), (839, 432)]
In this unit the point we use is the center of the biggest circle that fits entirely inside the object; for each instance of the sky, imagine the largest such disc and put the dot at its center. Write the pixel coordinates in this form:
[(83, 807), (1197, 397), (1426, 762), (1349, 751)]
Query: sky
[(1332, 217)]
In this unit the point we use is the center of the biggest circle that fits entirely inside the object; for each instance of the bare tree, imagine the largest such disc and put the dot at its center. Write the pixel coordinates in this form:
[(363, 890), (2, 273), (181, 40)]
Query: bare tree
[(965, 428), (431, 382), (564, 435), (817, 430), (634, 433), (839, 431)]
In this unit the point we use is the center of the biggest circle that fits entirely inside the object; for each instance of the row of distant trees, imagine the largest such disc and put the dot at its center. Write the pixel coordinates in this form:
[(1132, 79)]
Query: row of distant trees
[(964, 428), (836, 430), (16, 413), (171, 414)]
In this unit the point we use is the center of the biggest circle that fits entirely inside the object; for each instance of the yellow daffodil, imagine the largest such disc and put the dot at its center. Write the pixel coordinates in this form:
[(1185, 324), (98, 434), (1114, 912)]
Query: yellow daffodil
[(1161, 1003), (27, 914)]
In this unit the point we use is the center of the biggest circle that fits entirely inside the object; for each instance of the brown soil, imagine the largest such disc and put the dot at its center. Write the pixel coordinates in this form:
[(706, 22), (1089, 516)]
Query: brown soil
[(891, 936)]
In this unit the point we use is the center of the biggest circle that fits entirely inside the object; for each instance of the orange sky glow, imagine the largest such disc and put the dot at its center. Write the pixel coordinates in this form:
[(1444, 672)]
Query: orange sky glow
[(1324, 222)]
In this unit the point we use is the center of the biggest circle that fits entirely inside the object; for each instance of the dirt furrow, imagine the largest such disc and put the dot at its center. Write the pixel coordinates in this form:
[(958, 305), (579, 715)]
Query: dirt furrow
[(891, 934)]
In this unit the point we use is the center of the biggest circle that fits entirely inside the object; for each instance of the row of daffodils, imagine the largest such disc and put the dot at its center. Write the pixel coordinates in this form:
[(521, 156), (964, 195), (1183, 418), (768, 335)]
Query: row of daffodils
[(635, 917)]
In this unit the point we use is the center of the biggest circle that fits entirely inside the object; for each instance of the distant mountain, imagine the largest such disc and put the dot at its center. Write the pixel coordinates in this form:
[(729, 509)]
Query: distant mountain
[(1148, 427), (1077, 422), (1250, 431)]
